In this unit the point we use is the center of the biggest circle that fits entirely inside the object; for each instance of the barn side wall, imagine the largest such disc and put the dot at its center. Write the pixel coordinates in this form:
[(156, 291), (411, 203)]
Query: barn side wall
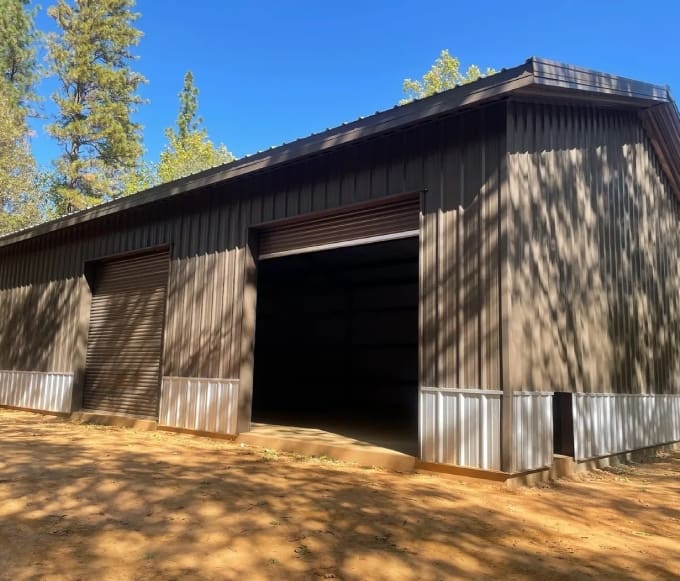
[(593, 271), (455, 161)]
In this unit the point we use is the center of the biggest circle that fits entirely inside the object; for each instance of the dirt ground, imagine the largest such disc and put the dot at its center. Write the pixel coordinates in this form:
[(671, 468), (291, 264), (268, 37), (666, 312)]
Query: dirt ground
[(89, 502)]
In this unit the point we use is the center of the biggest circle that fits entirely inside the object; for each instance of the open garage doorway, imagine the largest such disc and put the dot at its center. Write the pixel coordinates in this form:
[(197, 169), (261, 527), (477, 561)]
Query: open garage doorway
[(337, 342)]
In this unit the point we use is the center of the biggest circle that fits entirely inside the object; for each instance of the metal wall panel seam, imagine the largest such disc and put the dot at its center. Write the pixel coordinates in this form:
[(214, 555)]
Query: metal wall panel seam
[(533, 430), (199, 405), (41, 391), (616, 423), (461, 427)]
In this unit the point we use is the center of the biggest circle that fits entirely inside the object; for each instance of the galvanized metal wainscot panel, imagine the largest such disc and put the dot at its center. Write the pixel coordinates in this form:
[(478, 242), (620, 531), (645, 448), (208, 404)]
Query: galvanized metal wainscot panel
[(607, 424), (461, 427), (202, 405), (532, 420), (49, 392)]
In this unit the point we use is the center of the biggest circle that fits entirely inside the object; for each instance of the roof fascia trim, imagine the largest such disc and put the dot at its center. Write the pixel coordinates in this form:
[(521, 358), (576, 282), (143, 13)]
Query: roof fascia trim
[(534, 72), (662, 125), (559, 75), (485, 89)]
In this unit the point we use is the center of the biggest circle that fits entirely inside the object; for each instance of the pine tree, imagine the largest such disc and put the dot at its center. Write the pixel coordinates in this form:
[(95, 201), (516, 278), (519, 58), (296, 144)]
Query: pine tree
[(19, 196), (19, 206), (18, 65), (187, 121), (189, 150), (91, 58)]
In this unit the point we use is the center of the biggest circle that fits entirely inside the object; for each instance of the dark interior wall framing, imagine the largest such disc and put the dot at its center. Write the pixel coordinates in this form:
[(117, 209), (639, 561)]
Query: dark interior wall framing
[(345, 321), (337, 341)]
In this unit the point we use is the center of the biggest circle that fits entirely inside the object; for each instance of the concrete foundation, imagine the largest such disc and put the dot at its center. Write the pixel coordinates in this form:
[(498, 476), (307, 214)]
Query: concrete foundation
[(314, 442)]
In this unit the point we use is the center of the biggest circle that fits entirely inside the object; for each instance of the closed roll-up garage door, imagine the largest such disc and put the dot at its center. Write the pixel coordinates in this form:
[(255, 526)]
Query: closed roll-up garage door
[(392, 218), (127, 318)]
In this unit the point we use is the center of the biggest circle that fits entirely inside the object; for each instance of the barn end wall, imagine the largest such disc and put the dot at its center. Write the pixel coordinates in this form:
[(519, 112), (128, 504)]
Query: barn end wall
[(593, 271), (594, 259), (455, 162)]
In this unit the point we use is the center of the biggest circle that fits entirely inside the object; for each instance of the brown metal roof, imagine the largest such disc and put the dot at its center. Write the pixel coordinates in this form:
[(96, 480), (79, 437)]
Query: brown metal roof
[(534, 76)]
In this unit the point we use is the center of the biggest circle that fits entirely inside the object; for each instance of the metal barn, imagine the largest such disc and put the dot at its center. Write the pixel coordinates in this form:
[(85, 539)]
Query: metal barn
[(486, 277)]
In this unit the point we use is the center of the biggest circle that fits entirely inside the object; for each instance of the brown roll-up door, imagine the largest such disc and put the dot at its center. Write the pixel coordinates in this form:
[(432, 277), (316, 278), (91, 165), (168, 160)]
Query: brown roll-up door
[(367, 223), (127, 318)]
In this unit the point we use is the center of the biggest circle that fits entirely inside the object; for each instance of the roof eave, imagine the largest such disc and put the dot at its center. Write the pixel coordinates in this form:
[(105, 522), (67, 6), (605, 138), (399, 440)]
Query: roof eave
[(561, 76), (532, 74), (662, 125), (468, 95)]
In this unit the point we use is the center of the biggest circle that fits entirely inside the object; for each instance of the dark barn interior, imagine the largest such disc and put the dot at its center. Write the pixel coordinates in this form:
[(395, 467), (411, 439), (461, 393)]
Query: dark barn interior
[(337, 342)]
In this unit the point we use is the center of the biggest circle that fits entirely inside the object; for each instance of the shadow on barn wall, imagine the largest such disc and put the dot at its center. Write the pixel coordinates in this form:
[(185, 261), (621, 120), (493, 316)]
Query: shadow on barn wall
[(594, 282), (593, 254), (37, 326)]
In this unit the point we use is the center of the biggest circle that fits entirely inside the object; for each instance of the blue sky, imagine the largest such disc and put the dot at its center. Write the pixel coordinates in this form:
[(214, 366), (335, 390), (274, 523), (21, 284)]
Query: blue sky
[(273, 71)]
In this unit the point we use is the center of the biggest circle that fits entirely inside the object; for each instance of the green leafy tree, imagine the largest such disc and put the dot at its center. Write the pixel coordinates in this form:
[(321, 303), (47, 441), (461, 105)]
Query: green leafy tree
[(18, 36), (189, 150), (19, 205), (91, 56), (444, 74), (142, 177)]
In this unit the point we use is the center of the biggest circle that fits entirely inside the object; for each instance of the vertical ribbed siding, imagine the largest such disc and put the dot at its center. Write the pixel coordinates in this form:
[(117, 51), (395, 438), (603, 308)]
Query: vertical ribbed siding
[(41, 286), (461, 427), (38, 306), (593, 254), (48, 392), (455, 160), (607, 424), (204, 405), (460, 259), (532, 430)]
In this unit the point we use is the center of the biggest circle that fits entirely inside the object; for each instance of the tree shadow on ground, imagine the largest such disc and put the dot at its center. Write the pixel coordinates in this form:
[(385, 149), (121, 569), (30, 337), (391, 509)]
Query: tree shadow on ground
[(79, 501)]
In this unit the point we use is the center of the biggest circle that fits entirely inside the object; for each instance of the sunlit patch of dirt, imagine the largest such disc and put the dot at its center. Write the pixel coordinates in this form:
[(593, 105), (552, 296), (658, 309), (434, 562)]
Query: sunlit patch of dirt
[(86, 502)]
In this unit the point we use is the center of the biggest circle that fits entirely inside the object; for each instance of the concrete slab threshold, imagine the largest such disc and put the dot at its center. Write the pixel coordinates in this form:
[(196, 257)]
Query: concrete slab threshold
[(315, 442), (320, 443)]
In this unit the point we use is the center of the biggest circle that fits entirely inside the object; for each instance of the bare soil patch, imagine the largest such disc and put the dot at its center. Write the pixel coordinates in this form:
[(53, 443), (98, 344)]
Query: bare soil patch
[(90, 502)]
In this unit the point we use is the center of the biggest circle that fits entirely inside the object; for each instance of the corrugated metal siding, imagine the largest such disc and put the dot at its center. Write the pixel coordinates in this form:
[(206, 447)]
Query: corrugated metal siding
[(460, 260), (461, 427), (49, 392), (205, 405), (38, 309), (42, 283), (594, 254), (456, 160), (532, 430), (125, 340), (607, 424)]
